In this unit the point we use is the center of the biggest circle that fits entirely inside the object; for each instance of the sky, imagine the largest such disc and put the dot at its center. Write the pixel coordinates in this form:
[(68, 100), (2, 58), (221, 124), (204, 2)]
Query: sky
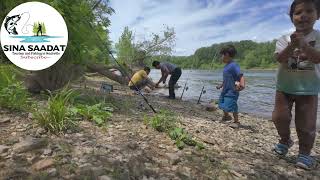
[(201, 23)]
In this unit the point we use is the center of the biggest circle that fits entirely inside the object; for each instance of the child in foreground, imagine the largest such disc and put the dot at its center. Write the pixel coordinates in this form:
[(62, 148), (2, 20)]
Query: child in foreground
[(298, 82)]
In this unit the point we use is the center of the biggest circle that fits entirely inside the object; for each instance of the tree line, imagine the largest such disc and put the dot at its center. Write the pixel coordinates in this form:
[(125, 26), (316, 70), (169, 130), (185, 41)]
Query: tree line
[(250, 55)]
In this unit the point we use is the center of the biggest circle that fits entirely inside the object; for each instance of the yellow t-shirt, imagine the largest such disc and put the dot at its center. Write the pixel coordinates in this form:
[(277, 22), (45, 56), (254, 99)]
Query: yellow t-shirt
[(138, 76)]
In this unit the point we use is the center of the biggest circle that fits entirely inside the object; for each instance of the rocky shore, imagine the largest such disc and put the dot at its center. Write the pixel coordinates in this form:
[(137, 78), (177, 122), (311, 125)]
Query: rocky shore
[(127, 148)]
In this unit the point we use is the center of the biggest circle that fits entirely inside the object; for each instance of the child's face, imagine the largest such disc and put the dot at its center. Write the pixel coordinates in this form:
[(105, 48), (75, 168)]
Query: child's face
[(225, 58), (304, 17)]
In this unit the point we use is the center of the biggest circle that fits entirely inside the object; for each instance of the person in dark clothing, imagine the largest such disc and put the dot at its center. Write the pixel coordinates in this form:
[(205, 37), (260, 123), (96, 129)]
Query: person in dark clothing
[(168, 69), (39, 30)]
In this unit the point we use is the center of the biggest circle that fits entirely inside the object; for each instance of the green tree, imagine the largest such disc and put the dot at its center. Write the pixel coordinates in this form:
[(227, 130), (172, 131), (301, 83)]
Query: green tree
[(125, 47)]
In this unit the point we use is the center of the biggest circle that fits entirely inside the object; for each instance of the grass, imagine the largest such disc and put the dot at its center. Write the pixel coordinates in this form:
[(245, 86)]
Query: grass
[(57, 115)]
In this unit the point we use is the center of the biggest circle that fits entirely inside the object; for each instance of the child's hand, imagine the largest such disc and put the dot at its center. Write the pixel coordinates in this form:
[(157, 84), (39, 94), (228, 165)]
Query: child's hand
[(297, 40), (239, 86)]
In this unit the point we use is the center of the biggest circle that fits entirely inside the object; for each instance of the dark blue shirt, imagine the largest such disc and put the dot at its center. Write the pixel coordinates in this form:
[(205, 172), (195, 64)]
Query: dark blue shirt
[(231, 74)]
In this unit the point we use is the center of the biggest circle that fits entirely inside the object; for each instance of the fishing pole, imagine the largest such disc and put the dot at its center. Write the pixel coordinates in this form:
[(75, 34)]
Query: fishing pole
[(184, 88), (202, 92), (140, 93), (124, 72)]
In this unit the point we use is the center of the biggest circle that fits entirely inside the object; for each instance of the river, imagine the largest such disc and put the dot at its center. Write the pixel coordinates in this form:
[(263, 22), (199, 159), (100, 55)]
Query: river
[(257, 99)]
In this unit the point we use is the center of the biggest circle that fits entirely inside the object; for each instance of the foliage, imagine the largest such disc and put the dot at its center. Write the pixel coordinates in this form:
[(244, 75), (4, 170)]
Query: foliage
[(164, 121), (13, 95), (182, 138), (135, 53), (125, 47), (57, 115), (250, 55), (97, 113)]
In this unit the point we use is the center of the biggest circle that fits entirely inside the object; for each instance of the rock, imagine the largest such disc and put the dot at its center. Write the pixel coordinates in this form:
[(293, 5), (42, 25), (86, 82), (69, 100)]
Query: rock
[(43, 164), (52, 172), (132, 145), (47, 152), (104, 178), (5, 120), (92, 172), (29, 144), (4, 149), (40, 131), (18, 173), (211, 108), (30, 116), (174, 158)]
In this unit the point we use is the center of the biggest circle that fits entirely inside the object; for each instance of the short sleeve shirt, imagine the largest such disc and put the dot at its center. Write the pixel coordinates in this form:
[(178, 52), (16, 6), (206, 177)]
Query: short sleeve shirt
[(299, 76), (231, 74)]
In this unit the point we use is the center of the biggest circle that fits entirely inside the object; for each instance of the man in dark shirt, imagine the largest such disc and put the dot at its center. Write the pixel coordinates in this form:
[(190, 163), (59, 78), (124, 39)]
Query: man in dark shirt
[(166, 69)]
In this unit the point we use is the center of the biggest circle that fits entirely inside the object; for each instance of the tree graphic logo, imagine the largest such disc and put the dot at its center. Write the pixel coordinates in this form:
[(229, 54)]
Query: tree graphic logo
[(34, 36), (39, 28)]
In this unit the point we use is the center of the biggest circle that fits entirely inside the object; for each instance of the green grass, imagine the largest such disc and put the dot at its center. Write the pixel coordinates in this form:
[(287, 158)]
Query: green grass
[(57, 115)]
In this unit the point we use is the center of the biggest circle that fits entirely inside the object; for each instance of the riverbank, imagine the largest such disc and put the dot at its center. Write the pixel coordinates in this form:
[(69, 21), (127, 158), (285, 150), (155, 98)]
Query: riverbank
[(127, 148)]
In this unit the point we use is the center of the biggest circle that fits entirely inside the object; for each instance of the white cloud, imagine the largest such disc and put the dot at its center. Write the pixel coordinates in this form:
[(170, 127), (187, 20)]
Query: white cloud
[(200, 23)]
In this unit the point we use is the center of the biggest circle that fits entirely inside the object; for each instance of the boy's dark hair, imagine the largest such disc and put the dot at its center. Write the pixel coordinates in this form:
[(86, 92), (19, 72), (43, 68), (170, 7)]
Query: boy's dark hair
[(155, 63), (146, 69), (229, 49), (296, 2)]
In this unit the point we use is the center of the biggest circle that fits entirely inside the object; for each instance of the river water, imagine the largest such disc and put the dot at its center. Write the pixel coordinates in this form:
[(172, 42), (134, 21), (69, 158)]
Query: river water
[(257, 99)]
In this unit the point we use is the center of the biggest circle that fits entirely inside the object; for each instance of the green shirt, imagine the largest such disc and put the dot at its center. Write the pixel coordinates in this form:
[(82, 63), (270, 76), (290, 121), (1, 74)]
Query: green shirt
[(299, 76)]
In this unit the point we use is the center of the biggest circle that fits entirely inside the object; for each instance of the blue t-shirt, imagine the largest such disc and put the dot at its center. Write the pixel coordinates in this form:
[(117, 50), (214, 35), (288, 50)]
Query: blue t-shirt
[(231, 74)]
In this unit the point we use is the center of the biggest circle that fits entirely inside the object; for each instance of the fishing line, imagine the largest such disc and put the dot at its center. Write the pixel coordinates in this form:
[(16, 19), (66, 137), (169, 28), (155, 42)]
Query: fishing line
[(120, 66), (24, 27)]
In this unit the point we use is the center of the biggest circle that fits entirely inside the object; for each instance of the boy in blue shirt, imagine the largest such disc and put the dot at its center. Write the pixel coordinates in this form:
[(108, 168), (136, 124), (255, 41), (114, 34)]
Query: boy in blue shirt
[(231, 85)]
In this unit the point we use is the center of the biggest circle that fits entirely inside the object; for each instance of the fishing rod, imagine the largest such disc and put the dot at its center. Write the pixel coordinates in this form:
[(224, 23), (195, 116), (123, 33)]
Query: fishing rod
[(137, 89), (202, 92), (124, 71), (185, 88)]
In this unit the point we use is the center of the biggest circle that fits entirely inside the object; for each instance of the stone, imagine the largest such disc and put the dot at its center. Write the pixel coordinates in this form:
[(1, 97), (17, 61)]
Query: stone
[(47, 152), (29, 144), (4, 149), (52, 172), (174, 158), (43, 164), (5, 120), (104, 178), (40, 131)]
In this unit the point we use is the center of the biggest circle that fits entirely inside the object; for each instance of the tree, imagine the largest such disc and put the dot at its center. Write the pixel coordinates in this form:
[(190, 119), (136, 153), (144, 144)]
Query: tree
[(125, 47), (88, 39)]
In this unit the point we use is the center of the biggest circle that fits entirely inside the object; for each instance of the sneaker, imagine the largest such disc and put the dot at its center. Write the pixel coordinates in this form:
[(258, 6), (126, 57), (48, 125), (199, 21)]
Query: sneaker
[(305, 162), (282, 149)]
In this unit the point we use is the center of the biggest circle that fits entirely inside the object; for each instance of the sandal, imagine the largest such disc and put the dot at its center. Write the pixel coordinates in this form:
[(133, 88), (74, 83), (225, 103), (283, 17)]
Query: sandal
[(282, 149), (235, 125), (305, 162), (226, 118)]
